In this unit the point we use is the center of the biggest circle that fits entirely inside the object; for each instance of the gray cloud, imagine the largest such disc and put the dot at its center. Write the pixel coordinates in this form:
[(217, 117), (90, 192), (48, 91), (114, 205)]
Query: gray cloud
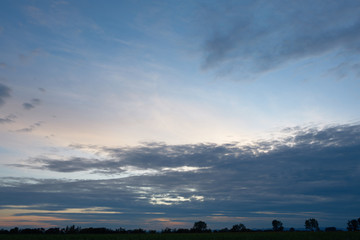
[(30, 128), (256, 36), (4, 93), (8, 119), (207, 157), (311, 170), (30, 105), (75, 164)]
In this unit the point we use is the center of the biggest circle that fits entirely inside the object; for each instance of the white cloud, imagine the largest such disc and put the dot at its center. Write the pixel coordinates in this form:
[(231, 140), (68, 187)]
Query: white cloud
[(168, 199)]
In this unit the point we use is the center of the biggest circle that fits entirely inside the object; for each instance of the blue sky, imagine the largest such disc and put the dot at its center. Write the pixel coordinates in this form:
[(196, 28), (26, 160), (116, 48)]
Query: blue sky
[(158, 114)]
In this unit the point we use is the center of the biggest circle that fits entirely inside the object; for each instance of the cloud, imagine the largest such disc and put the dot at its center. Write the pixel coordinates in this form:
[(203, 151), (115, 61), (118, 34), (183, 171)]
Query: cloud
[(167, 199), (344, 70), (75, 164), (8, 119), (30, 128), (4, 93), (204, 158), (30, 105), (310, 170), (256, 36)]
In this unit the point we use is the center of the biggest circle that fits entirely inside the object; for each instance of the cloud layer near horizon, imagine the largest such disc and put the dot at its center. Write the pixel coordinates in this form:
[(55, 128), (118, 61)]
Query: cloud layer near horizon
[(311, 170)]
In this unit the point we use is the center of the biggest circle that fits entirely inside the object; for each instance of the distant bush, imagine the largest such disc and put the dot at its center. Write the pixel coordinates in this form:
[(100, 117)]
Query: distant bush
[(330, 229)]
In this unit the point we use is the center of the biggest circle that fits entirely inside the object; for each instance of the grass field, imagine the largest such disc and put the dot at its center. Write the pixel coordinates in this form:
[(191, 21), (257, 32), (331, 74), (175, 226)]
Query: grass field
[(193, 236)]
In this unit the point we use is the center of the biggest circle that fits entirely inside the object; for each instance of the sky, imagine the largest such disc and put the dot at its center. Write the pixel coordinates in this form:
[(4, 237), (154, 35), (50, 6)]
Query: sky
[(158, 114)]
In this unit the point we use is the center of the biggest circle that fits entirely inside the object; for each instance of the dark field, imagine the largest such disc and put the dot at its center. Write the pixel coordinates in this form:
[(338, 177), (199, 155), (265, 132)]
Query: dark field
[(193, 236)]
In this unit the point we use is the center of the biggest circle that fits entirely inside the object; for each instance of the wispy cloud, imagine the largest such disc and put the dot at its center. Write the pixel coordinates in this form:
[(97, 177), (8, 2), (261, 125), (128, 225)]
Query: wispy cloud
[(4, 93), (32, 104), (8, 119), (30, 128), (344, 70), (28, 106), (256, 36)]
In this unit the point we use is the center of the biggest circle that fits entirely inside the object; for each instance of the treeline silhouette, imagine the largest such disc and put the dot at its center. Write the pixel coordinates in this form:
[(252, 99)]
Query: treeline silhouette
[(199, 227)]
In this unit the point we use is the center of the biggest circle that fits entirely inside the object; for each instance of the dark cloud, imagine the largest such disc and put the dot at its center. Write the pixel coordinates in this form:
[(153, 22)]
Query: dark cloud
[(75, 164), (207, 157), (310, 170), (30, 105), (8, 119), (42, 89), (256, 36), (4, 93)]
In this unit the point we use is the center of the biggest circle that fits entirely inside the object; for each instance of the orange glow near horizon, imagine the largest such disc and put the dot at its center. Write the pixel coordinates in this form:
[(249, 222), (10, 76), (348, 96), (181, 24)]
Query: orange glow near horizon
[(29, 220), (13, 216)]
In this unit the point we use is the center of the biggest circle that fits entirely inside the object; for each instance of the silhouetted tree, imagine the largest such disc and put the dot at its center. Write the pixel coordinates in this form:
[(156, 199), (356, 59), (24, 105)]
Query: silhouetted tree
[(224, 230), (120, 230), (96, 230), (182, 230), (277, 226), (199, 226), (137, 231), (53, 231), (14, 230), (72, 229), (330, 229), (32, 230), (4, 231), (166, 230), (312, 225), (238, 228), (353, 225), (292, 229)]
